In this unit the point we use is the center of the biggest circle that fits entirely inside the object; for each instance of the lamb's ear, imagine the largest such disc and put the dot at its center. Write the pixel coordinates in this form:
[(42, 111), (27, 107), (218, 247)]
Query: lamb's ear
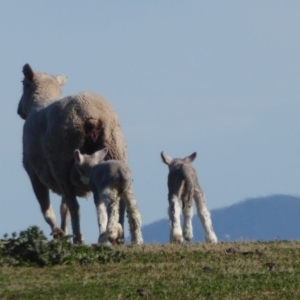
[(62, 79), (78, 157), (166, 159), (100, 155), (28, 73), (190, 158)]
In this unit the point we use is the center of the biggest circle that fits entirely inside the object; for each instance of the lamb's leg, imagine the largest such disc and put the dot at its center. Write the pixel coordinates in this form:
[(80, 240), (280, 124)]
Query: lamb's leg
[(122, 207), (64, 214), (174, 218), (134, 217), (42, 195), (102, 218), (187, 216), (204, 216), (114, 228)]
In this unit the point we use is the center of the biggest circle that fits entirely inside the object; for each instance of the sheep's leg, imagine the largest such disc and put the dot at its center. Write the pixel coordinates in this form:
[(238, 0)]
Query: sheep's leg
[(114, 228), (64, 213), (174, 217), (122, 207), (42, 195), (75, 215), (187, 216), (102, 219), (134, 217), (204, 216)]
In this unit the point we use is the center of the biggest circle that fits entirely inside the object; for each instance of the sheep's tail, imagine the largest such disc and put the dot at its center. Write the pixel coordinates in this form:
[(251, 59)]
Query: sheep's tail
[(93, 130)]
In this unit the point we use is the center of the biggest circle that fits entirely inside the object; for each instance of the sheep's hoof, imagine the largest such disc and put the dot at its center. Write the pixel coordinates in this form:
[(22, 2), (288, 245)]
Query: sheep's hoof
[(78, 240), (57, 233)]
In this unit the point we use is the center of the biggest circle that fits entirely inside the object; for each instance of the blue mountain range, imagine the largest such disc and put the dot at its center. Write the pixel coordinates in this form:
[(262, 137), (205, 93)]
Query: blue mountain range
[(256, 219)]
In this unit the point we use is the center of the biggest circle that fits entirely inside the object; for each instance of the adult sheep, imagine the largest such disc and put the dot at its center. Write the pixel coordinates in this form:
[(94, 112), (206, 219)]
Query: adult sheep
[(54, 127)]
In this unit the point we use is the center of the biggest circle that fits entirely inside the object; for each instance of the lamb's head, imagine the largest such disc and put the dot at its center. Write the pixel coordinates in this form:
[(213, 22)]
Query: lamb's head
[(175, 161), (37, 89), (84, 163)]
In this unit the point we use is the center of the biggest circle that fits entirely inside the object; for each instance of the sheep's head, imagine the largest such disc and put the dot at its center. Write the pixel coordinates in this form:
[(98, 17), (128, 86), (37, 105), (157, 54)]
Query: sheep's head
[(37, 89), (84, 163), (174, 161)]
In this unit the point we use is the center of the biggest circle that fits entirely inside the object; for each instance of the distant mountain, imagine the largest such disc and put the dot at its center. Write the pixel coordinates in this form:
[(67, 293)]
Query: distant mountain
[(263, 219)]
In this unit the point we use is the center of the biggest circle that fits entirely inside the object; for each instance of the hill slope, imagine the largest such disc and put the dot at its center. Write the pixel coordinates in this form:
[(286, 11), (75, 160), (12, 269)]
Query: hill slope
[(263, 218)]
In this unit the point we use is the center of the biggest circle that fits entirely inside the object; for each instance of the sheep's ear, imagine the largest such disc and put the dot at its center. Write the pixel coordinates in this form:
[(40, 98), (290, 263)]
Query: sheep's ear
[(78, 156), (166, 159), (190, 158), (100, 155), (28, 73), (62, 79)]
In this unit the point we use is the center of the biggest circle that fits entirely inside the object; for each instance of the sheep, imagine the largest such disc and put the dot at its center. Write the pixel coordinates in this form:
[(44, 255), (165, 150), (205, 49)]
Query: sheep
[(54, 127), (183, 185), (109, 181)]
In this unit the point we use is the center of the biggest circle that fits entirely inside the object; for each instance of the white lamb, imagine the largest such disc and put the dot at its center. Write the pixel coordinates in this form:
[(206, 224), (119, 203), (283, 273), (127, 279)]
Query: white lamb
[(183, 185), (110, 181)]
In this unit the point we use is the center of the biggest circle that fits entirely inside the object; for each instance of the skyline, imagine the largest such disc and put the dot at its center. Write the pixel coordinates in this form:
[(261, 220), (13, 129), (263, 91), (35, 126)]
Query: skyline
[(221, 79)]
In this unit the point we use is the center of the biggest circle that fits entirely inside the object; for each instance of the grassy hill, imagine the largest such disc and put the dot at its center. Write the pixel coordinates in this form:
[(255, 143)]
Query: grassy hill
[(31, 267), (267, 270)]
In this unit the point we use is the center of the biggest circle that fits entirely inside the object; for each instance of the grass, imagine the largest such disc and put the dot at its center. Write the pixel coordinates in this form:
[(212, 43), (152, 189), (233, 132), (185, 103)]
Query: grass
[(191, 271)]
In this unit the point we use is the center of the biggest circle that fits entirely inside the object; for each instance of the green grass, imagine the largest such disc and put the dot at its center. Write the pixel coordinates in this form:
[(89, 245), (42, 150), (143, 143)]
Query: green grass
[(195, 271)]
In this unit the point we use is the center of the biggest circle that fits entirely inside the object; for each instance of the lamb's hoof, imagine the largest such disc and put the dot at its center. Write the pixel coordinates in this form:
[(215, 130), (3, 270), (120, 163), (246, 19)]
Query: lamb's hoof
[(137, 242), (120, 241), (102, 238), (116, 241), (115, 236), (176, 242), (188, 236), (57, 233), (211, 239), (176, 239)]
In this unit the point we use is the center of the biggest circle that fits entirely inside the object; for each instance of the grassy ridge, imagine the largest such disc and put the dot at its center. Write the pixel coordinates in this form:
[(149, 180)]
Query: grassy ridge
[(196, 271)]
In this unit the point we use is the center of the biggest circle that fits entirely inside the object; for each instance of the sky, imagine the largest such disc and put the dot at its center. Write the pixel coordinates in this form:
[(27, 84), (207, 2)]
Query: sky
[(221, 78)]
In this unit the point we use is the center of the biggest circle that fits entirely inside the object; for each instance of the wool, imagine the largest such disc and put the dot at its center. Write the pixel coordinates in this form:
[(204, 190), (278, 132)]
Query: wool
[(110, 181), (54, 127), (184, 187)]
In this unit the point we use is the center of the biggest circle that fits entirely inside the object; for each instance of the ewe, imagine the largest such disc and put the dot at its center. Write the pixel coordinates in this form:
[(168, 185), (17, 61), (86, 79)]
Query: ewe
[(183, 185), (110, 181), (53, 129)]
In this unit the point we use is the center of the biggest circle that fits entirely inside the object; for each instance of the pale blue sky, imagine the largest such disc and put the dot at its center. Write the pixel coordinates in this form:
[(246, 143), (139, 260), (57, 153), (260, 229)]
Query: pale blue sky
[(218, 77)]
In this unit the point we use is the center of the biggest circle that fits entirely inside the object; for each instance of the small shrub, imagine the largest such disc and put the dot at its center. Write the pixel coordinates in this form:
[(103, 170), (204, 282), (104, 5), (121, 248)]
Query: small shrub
[(31, 248)]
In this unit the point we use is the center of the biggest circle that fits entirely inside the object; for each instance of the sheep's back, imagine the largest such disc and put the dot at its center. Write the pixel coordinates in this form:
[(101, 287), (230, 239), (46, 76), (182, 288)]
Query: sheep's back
[(62, 130)]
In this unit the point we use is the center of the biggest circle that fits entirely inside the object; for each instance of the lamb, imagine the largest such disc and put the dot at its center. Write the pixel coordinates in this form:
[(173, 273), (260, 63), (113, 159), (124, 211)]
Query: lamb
[(54, 127), (183, 185), (109, 181)]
